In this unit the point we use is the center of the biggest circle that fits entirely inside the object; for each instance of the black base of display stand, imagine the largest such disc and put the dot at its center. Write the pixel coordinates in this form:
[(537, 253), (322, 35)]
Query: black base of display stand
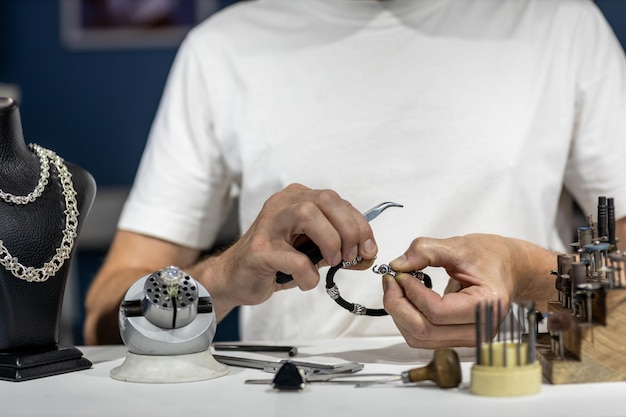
[(22, 366)]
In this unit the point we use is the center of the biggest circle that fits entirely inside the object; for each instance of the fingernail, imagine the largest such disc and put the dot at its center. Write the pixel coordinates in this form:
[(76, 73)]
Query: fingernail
[(369, 247), (353, 253), (385, 284), (336, 259), (399, 262)]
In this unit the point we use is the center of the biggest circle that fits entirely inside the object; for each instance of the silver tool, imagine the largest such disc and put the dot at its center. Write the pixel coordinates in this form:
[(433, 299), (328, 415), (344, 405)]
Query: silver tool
[(375, 211), (241, 347), (444, 370), (167, 322), (167, 313), (341, 379), (309, 368)]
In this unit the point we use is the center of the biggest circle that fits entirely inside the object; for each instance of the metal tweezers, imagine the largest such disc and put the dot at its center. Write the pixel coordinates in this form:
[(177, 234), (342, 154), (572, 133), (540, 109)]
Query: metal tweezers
[(311, 250)]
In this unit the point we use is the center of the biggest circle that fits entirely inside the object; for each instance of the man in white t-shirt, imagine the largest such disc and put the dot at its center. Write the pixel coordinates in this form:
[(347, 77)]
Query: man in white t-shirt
[(474, 115)]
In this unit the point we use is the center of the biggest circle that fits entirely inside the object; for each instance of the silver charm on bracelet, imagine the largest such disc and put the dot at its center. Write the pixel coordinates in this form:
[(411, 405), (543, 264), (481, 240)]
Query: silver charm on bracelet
[(333, 292), (359, 309), (346, 264), (384, 269)]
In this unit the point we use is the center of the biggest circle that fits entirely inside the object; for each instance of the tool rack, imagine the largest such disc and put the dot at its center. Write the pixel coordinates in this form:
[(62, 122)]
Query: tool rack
[(589, 345)]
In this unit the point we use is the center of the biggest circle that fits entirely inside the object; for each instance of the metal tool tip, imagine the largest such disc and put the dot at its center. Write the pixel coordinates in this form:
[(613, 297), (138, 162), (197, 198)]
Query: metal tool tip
[(376, 210)]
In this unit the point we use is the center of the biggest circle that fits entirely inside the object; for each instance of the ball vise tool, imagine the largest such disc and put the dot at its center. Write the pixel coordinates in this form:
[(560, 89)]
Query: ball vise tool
[(167, 323)]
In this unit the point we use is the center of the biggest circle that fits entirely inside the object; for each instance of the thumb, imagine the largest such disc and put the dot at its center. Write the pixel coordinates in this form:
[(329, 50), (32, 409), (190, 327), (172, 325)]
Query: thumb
[(401, 263), (392, 290), (453, 286)]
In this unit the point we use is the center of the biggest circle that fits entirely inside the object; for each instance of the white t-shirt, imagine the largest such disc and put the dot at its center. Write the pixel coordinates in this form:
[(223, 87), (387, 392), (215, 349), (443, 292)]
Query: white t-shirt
[(472, 114)]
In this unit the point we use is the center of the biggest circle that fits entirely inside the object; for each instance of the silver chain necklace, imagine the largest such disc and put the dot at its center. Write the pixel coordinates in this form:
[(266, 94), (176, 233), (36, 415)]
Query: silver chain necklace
[(50, 268)]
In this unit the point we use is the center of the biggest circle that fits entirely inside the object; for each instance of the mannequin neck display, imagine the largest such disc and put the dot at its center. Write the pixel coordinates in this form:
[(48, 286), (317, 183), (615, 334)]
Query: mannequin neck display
[(12, 143), (16, 159), (32, 233)]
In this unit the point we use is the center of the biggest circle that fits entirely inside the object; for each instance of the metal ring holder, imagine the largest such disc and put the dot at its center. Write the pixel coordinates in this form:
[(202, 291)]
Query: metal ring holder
[(167, 323)]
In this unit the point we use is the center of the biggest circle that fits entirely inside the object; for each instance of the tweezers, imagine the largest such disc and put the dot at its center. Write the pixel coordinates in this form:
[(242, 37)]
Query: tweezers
[(311, 250)]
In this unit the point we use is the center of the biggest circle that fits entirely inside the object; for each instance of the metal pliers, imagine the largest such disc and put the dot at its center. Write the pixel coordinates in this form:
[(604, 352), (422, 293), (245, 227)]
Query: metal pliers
[(311, 250)]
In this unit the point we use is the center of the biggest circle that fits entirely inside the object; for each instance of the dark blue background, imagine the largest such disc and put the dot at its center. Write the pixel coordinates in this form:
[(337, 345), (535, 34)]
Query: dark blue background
[(92, 107)]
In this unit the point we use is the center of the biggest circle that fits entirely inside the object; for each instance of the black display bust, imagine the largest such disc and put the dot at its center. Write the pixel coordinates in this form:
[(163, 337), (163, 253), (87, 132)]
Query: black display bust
[(30, 311)]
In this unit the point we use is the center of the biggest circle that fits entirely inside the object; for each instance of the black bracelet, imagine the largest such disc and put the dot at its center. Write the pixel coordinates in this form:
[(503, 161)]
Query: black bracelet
[(358, 309)]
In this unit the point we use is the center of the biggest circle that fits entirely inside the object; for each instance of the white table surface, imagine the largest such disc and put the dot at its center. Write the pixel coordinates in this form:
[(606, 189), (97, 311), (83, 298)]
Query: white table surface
[(93, 392)]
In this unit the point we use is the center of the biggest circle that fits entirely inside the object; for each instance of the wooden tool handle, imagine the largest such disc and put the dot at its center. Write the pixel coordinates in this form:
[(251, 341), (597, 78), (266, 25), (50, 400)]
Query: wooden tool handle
[(444, 370)]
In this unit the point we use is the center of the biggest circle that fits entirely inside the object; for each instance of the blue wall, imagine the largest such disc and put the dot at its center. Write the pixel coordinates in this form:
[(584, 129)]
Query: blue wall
[(94, 108), (615, 13)]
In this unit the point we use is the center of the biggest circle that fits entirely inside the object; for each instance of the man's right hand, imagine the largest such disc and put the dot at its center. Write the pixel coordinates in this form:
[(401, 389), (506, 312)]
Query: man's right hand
[(246, 272)]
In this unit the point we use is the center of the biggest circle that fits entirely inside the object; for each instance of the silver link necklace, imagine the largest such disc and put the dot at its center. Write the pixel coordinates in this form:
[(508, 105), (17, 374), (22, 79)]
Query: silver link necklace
[(50, 268)]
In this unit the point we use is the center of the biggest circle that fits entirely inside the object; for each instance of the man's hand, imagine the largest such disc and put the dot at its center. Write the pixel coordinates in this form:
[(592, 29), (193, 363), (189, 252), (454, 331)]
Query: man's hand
[(481, 268), (245, 273)]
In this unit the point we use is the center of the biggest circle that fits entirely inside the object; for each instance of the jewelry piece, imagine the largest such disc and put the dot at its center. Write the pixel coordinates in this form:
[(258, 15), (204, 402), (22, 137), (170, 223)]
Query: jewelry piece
[(386, 269), (50, 268), (360, 310), (41, 184)]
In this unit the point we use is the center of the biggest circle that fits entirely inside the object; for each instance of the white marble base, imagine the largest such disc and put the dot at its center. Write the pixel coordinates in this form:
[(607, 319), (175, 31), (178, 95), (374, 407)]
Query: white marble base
[(169, 369)]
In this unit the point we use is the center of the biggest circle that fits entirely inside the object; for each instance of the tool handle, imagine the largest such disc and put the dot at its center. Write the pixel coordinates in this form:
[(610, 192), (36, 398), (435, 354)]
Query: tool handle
[(417, 374), (311, 250)]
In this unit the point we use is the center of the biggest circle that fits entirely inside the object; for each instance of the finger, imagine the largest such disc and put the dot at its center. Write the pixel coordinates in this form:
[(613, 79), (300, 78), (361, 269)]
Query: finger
[(305, 274), (452, 286), (306, 218), (320, 218), (362, 264), (415, 327), (425, 252), (466, 329), (294, 214), (330, 222), (452, 308), (268, 256), (336, 227), (355, 232)]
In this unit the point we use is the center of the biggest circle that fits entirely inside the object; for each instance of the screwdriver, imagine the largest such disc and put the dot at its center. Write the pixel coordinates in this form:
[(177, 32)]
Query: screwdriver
[(444, 370)]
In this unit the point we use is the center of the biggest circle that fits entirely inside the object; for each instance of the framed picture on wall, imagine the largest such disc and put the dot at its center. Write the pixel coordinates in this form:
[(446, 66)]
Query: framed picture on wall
[(123, 24)]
